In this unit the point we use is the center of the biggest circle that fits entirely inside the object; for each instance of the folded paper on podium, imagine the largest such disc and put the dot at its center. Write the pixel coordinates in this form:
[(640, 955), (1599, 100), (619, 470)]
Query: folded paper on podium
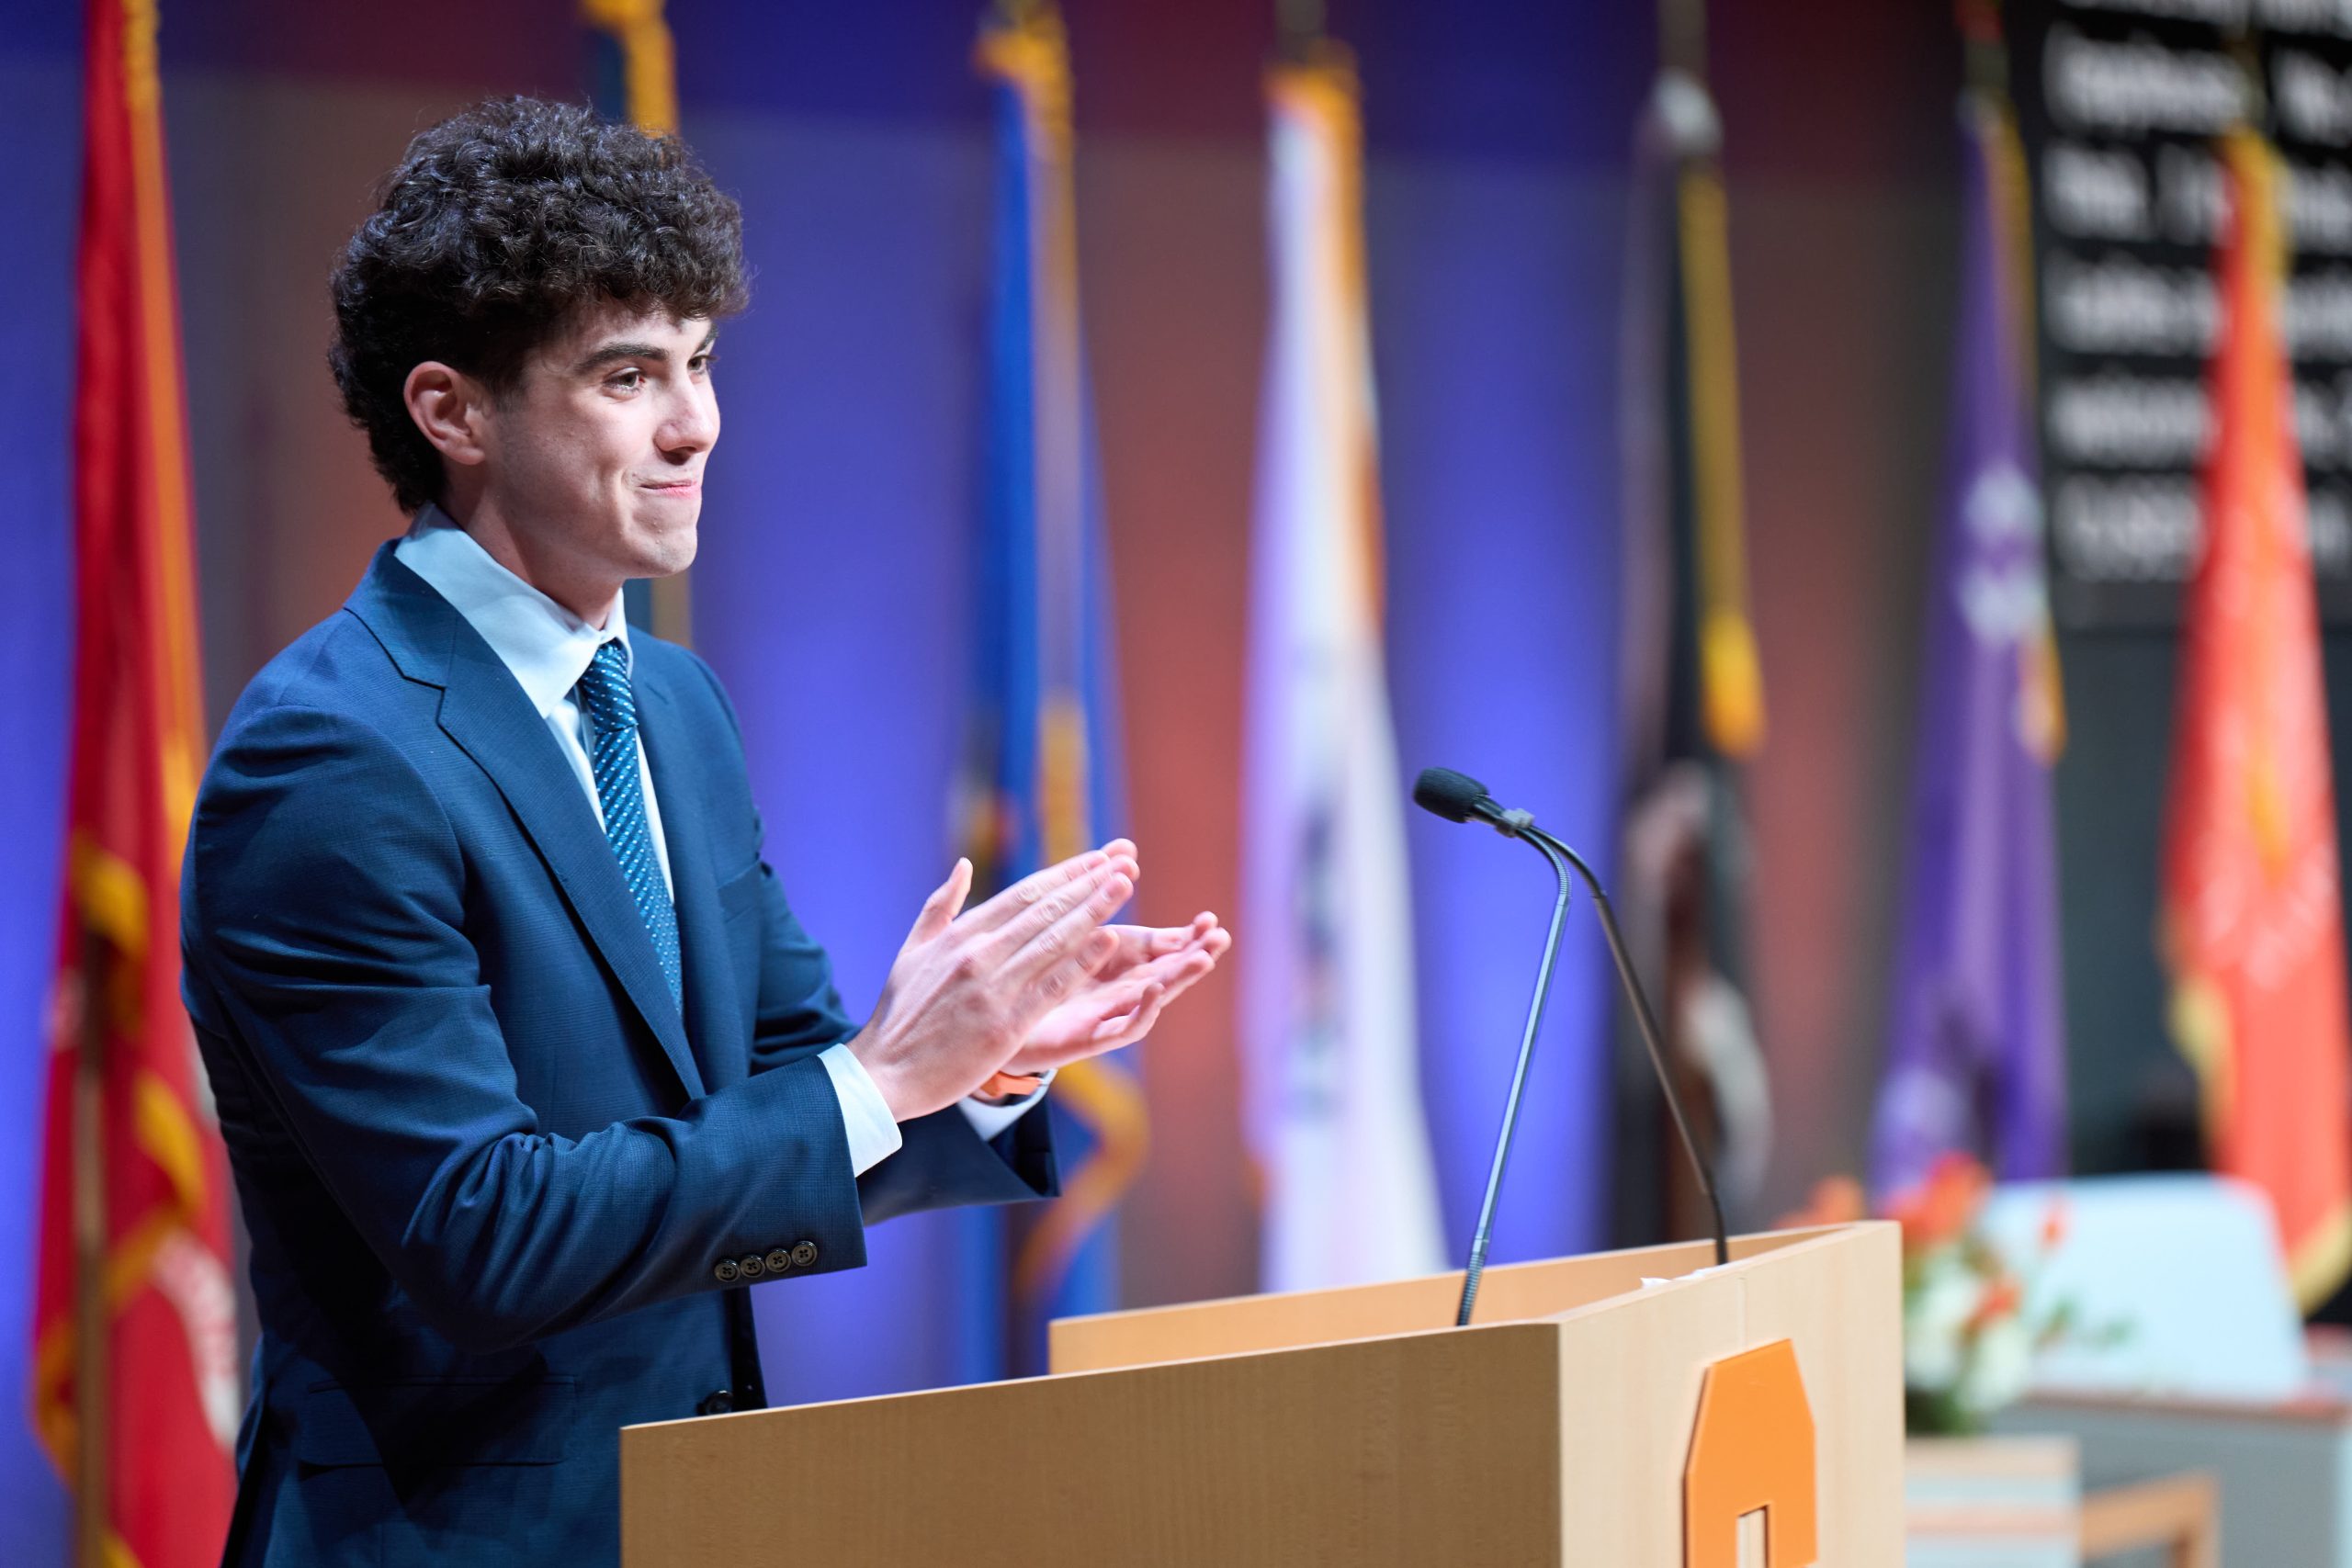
[(1747, 1416)]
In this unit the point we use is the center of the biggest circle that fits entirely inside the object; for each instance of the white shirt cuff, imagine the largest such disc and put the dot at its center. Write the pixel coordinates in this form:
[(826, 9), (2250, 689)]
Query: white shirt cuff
[(865, 1115)]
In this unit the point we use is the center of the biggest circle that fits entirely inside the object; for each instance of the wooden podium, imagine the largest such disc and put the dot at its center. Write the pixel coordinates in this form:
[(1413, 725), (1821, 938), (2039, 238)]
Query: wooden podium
[(1349, 1427)]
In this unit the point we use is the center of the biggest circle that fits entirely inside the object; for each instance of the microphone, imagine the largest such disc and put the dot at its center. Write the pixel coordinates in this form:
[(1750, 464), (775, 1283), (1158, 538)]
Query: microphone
[(1458, 797), (1455, 796)]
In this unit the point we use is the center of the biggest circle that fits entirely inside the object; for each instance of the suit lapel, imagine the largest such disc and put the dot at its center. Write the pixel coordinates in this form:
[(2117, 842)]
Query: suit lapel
[(711, 1012), (485, 711)]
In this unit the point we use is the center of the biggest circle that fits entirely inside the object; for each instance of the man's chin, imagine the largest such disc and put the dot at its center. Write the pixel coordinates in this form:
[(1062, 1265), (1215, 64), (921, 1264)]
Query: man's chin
[(669, 555)]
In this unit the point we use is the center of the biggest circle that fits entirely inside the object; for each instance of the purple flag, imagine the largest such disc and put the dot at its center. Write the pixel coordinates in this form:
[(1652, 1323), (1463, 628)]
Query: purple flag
[(1976, 1061)]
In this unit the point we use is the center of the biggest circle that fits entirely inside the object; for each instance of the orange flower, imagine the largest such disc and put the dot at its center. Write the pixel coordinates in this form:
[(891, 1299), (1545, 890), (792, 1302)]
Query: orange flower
[(2054, 1225), (1836, 1200), (2002, 1298), (1941, 1208)]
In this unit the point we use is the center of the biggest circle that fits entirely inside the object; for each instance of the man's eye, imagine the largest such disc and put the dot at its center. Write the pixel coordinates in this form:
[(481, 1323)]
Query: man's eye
[(702, 362), (626, 380)]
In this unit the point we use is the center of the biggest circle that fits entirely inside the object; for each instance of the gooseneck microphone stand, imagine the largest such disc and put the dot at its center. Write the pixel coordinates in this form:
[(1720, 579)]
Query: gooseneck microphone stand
[(1460, 798), (1518, 1082)]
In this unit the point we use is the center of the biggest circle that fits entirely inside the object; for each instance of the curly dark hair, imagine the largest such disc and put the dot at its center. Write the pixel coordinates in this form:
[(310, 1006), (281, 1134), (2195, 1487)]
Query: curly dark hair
[(498, 223)]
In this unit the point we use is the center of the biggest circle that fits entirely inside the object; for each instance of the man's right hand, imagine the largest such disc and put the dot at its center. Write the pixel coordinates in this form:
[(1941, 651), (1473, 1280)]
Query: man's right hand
[(964, 995)]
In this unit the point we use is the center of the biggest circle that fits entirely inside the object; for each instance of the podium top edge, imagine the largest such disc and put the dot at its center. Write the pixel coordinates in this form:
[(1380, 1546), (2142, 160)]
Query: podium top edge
[(1781, 1243)]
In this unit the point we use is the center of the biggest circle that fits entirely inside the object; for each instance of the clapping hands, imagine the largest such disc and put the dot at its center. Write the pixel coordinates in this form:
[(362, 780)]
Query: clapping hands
[(1032, 980)]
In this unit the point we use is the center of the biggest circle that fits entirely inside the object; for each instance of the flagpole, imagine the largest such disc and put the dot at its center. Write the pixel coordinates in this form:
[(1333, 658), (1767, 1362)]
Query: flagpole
[(1682, 37), (640, 30), (2247, 55), (1987, 71), (90, 1369)]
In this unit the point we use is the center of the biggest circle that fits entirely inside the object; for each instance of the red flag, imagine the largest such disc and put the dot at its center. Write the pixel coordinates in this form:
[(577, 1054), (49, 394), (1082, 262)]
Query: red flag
[(2254, 930), (149, 1263)]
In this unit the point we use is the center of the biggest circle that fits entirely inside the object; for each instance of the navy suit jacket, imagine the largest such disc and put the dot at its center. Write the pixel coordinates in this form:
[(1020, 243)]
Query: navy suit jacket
[(489, 1171)]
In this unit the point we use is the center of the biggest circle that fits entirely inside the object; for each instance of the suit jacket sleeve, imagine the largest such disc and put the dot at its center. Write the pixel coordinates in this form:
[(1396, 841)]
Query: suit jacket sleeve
[(326, 931), (944, 1162)]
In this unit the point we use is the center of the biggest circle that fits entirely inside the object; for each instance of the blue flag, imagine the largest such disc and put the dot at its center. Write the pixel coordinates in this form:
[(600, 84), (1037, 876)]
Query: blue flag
[(1042, 779), (1977, 1060)]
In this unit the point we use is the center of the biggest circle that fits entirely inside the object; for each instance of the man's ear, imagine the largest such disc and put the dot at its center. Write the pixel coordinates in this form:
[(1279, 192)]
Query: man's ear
[(451, 407)]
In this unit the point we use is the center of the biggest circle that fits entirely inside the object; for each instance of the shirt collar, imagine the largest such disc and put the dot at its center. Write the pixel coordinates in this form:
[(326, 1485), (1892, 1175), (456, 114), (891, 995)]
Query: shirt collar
[(545, 647)]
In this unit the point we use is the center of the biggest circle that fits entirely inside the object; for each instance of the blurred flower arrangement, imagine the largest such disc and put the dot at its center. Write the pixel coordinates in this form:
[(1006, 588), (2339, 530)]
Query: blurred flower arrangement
[(1968, 1341)]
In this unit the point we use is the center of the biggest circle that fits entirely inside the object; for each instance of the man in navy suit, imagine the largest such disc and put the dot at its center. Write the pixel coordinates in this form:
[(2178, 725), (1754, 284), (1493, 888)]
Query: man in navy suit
[(526, 1067)]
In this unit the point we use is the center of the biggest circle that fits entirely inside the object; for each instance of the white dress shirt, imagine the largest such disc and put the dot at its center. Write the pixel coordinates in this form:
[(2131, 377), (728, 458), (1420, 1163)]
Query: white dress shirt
[(548, 648)]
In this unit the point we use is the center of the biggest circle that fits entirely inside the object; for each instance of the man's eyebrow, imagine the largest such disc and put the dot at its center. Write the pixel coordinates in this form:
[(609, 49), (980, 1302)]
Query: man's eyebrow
[(613, 353)]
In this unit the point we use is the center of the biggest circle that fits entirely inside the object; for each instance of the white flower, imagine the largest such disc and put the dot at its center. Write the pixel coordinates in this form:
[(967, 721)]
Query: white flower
[(1933, 1318), (2000, 1369)]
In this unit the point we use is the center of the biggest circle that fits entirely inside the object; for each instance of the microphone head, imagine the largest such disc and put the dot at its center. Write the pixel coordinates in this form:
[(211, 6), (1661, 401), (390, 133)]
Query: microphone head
[(1455, 796)]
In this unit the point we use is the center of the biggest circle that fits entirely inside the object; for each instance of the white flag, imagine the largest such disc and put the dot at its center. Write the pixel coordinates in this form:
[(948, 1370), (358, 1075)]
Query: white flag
[(1329, 1032)]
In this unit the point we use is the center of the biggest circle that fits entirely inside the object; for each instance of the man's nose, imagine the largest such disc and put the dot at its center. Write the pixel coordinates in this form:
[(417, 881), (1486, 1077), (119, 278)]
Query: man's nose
[(693, 423)]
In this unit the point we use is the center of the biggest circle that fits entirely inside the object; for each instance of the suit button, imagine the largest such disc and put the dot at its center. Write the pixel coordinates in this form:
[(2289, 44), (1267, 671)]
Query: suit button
[(718, 1402), (779, 1260), (803, 1254), (728, 1272), (753, 1266)]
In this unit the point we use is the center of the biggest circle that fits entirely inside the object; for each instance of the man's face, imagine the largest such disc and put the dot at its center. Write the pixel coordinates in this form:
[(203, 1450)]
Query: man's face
[(596, 455)]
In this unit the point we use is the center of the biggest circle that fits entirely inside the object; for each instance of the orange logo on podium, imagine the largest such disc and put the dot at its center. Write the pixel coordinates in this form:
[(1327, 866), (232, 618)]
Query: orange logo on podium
[(1753, 1449)]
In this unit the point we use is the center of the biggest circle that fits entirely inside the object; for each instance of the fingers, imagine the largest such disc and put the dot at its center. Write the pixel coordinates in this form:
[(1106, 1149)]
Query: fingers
[(1169, 976), (1138, 944), (1075, 940), (1060, 964), (1107, 1004), (1040, 886), (1113, 1032), (1155, 942), (1123, 1029), (1203, 935), (1136, 1014), (1188, 971), (946, 900), (1097, 895), (1202, 930), (1177, 955), (1116, 1012)]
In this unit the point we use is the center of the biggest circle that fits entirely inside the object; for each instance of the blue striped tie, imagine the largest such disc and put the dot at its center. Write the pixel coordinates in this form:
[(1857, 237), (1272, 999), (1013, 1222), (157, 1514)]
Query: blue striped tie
[(610, 707)]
